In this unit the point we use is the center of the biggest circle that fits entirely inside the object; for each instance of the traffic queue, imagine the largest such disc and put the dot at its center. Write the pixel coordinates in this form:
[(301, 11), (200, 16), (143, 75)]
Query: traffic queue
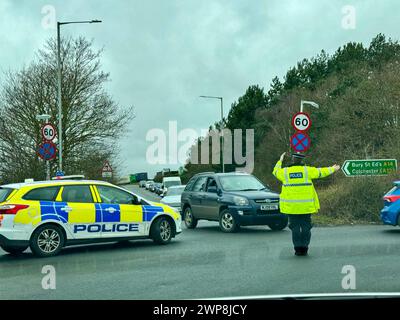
[(49, 215)]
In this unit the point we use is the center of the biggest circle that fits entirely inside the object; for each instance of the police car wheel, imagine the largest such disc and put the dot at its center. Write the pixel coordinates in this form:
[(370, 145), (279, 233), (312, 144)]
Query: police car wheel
[(47, 241), (190, 220), (161, 231), (14, 250), (227, 222)]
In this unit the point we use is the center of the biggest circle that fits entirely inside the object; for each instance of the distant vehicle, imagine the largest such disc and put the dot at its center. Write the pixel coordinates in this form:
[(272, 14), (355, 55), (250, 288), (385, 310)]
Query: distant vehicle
[(234, 199), (49, 215), (153, 187), (173, 197), (169, 182), (70, 177), (149, 184), (137, 177), (390, 214), (142, 183), (160, 190), (157, 188)]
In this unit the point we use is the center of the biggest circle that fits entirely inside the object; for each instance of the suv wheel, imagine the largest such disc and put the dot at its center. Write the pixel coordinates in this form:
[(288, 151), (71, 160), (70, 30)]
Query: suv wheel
[(14, 250), (190, 220), (227, 222), (278, 225), (161, 231), (47, 241)]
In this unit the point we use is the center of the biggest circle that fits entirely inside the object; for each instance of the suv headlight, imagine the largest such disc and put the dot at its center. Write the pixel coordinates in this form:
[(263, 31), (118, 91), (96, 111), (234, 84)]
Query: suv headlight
[(240, 201)]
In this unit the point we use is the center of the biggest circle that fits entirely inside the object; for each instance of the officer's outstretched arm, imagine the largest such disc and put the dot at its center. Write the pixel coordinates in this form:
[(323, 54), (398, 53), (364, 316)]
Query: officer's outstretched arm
[(278, 171), (316, 173)]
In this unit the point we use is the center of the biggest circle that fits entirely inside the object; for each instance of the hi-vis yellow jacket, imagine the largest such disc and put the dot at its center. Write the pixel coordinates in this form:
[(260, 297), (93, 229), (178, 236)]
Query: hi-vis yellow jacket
[(298, 194)]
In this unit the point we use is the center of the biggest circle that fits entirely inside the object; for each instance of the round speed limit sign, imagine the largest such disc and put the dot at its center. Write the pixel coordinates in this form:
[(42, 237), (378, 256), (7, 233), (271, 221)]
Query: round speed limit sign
[(301, 121), (48, 132)]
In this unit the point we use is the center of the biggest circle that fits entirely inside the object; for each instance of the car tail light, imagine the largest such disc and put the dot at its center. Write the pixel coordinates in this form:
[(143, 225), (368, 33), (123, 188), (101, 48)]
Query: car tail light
[(12, 208), (391, 198)]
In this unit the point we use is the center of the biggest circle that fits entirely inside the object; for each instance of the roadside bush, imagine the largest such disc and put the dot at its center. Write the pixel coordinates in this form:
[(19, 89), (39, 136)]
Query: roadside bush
[(354, 199)]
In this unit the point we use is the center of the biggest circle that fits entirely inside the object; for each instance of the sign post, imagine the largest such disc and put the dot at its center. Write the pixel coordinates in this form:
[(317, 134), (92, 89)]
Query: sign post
[(47, 149), (106, 171), (48, 132), (369, 167), (301, 122), (300, 142)]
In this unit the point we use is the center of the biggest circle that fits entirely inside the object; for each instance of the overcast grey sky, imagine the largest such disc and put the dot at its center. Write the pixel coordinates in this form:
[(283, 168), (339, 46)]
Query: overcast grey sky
[(163, 54)]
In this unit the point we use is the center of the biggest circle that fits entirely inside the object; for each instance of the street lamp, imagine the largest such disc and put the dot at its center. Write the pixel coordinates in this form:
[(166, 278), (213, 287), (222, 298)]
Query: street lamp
[(222, 124), (59, 24), (311, 103), (44, 117)]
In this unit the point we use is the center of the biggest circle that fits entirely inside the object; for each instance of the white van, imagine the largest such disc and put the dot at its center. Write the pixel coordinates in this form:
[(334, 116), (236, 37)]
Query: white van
[(168, 182)]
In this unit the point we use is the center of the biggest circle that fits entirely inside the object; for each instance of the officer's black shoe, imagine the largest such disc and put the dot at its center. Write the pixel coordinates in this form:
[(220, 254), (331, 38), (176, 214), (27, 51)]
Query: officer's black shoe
[(300, 251)]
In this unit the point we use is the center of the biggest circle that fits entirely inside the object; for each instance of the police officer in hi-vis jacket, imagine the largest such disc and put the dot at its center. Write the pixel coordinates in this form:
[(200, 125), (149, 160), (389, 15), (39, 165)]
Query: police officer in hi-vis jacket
[(298, 198)]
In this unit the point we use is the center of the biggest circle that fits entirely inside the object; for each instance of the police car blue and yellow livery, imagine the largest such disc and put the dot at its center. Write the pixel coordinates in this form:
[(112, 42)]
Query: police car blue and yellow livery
[(46, 216)]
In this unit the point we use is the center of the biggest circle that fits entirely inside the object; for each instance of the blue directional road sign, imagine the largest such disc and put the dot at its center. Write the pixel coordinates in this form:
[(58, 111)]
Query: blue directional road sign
[(60, 174)]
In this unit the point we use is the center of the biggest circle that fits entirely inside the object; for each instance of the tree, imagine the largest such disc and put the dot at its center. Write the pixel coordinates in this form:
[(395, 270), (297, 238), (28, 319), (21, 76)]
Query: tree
[(92, 120), (241, 115)]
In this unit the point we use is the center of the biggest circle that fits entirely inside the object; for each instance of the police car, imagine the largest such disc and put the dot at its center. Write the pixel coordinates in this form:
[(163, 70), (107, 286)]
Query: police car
[(47, 216)]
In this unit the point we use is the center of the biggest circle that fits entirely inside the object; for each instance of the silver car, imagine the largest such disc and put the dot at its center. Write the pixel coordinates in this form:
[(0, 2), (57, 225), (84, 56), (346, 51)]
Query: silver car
[(173, 197)]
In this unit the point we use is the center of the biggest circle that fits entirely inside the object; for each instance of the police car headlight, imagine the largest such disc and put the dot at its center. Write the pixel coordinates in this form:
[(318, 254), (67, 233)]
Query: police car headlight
[(240, 201)]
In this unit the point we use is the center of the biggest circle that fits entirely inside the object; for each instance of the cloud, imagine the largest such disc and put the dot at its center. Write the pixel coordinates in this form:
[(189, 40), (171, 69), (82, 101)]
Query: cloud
[(163, 54)]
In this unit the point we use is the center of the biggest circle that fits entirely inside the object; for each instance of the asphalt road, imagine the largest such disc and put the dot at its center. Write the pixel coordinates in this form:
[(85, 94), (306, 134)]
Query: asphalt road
[(205, 263)]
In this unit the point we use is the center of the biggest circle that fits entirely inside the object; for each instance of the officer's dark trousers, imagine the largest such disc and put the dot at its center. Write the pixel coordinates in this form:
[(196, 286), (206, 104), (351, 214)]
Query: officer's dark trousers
[(300, 224)]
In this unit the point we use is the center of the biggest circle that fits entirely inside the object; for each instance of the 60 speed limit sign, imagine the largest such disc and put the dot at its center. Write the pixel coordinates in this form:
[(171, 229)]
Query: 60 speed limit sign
[(48, 132), (301, 121)]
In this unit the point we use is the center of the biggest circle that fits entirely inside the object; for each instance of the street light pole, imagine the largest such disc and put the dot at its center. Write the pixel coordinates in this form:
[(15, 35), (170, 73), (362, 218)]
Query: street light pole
[(222, 127), (60, 140), (59, 97)]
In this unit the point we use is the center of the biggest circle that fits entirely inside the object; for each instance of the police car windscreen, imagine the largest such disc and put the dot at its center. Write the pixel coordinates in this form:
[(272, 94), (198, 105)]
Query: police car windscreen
[(4, 193)]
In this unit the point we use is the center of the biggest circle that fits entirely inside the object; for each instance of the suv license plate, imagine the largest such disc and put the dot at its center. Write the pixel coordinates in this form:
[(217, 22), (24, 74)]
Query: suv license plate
[(269, 207)]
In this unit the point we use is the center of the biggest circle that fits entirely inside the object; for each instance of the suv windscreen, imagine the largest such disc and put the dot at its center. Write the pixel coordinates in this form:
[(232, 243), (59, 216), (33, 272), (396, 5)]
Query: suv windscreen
[(241, 183), (4, 193), (42, 194)]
